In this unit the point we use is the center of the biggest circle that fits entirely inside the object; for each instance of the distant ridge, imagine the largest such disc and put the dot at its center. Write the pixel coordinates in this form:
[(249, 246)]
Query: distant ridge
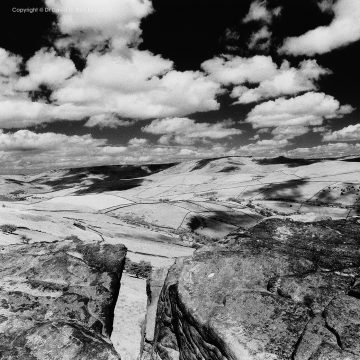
[(103, 178), (288, 161)]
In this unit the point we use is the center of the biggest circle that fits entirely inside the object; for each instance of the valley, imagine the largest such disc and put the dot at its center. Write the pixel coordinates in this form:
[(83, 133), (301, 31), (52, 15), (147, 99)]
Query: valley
[(164, 212)]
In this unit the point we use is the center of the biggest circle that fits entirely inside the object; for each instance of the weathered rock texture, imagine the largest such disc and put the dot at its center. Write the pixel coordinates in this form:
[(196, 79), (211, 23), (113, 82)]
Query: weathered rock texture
[(57, 300), (282, 290)]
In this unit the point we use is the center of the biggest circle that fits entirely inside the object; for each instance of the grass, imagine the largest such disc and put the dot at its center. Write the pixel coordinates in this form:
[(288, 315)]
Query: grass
[(25, 239), (141, 269), (8, 228), (73, 238)]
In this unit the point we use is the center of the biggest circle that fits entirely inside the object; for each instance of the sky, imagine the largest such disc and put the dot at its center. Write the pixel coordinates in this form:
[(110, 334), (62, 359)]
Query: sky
[(93, 82)]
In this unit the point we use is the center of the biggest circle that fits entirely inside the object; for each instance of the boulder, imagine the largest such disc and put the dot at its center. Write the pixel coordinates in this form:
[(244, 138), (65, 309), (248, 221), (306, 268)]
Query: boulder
[(57, 300), (282, 290)]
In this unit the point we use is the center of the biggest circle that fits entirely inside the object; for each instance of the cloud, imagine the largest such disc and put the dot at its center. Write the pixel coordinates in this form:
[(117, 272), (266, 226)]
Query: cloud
[(186, 131), (261, 39), (47, 68), (187, 152), (259, 12), (119, 81), (326, 5), (94, 22), (139, 86), (138, 142), (343, 30), (270, 148), (9, 67), (308, 109), (237, 70), (269, 144), (25, 140), (106, 120), (9, 63), (266, 148), (328, 150), (22, 112), (113, 150), (289, 132), (285, 81), (28, 150), (319, 129), (273, 81), (349, 133), (123, 73)]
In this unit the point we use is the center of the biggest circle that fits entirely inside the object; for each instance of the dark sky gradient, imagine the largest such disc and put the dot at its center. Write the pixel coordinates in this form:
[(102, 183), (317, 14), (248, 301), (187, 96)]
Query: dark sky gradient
[(24, 34), (190, 32)]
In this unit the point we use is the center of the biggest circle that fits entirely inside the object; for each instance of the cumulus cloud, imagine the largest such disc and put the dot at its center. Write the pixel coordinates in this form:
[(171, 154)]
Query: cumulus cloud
[(22, 112), (27, 149), (238, 70), (349, 133), (119, 80), (259, 11), (138, 142), (186, 131), (124, 73), (106, 120), (93, 22), (266, 148), (308, 109), (9, 63), (47, 68), (187, 152), (25, 140), (9, 67), (140, 86), (285, 81), (273, 80), (343, 30)]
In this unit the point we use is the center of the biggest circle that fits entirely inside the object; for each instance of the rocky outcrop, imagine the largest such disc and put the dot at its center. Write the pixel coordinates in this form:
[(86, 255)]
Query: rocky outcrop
[(282, 290), (57, 300)]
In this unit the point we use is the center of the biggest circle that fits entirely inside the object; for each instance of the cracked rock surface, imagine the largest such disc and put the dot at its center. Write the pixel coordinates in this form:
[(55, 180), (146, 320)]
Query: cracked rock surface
[(282, 290), (57, 300)]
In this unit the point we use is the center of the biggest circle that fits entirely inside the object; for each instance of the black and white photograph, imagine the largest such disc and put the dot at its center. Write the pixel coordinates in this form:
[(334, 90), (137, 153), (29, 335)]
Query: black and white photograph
[(179, 180)]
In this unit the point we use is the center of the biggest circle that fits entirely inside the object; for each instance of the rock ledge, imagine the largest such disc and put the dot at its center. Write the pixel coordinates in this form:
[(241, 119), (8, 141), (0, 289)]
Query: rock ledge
[(282, 290), (57, 300)]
